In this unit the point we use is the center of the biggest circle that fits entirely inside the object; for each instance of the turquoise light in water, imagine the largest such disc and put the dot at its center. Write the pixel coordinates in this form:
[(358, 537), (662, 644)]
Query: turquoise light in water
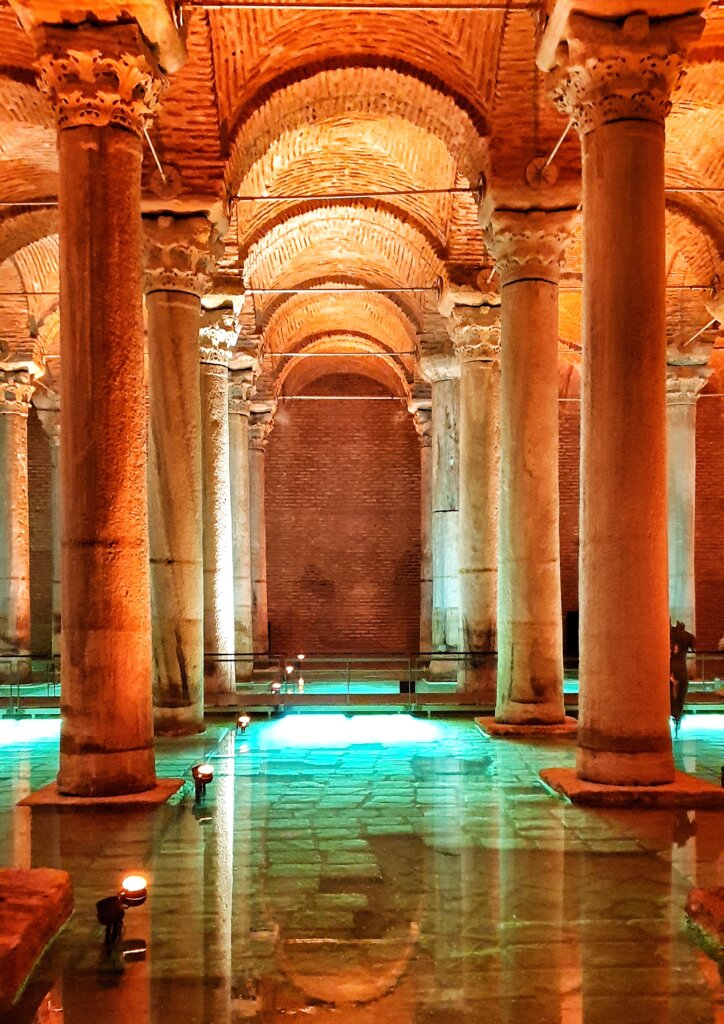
[(706, 723), (339, 731), (34, 730)]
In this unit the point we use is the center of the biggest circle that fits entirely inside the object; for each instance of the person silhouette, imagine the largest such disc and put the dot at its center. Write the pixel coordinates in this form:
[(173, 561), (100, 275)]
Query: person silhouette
[(680, 643)]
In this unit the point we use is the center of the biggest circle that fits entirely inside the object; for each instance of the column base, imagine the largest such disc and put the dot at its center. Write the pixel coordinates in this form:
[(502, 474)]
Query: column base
[(116, 773), (684, 791), (507, 730), (478, 681), (645, 767), (524, 713), (50, 796), (183, 721)]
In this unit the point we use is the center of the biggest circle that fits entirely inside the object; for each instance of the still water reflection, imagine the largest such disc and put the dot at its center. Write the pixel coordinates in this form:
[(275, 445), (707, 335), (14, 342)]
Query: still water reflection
[(374, 869)]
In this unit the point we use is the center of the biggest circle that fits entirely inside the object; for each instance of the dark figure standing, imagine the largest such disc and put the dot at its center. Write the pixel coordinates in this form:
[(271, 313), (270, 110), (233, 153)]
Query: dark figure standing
[(680, 643)]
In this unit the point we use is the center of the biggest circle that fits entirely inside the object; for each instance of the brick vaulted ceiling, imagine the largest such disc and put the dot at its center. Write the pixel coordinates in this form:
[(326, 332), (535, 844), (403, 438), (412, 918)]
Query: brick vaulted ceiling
[(293, 117)]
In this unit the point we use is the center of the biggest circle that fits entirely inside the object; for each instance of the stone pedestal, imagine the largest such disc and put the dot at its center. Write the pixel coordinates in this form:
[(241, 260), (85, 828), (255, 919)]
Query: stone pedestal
[(218, 336), (260, 425), (683, 384), (442, 370), (476, 336), (529, 250), (240, 391), (16, 389), (47, 403), (422, 418), (179, 254), (102, 96), (615, 81)]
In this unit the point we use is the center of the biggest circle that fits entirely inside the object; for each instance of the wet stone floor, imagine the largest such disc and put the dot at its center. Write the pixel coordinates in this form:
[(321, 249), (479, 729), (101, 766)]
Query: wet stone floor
[(379, 868)]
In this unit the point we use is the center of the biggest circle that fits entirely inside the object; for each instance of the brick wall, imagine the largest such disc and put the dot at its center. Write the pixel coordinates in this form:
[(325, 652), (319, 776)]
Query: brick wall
[(343, 522), (41, 568), (569, 420)]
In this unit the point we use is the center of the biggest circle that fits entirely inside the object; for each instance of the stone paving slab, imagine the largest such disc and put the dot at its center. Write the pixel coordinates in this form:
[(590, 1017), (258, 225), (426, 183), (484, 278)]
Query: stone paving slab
[(48, 796), (705, 909), (685, 791), (504, 730), (34, 906)]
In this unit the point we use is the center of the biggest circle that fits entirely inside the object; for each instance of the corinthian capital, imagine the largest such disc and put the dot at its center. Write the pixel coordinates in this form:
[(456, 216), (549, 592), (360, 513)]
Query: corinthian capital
[(529, 245), (475, 332), (621, 70), (437, 366), (109, 79), (219, 333), (16, 392), (180, 253), (241, 388), (260, 427)]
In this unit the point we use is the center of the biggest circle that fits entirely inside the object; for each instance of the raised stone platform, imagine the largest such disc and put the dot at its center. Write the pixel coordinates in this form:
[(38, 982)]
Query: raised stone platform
[(34, 906), (504, 730), (705, 910), (685, 791), (49, 796)]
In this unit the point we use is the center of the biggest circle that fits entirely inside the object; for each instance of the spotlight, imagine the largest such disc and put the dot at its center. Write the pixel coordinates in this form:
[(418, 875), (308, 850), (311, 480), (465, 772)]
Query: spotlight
[(202, 775), (289, 669), (111, 910), (276, 687), (242, 723), (300, 657)]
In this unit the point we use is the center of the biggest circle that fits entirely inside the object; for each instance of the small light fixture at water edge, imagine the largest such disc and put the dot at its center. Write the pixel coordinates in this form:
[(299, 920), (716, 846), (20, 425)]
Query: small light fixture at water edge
[(202, 775), (242, 723)]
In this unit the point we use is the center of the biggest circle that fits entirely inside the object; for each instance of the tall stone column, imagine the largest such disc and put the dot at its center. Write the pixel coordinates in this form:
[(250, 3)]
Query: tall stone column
[(615, 81), (683, 385), (529, 251), (179, 254), (422, 418), (47, 403), (16, 390), (476, 337), (442, 371), (241, 384), (260, 426), (219, 332), (102, 85)]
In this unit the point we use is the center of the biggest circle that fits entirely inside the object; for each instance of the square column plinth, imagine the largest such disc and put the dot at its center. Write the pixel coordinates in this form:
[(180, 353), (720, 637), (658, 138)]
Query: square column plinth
[(50, 796), (495, 730), (684, 791)]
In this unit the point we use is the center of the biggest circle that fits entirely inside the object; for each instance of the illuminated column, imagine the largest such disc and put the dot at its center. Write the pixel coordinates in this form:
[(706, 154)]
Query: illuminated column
[(614, 81), (47, 403), (683, 384), (102, 96), (16, 390), (179, 255), (260, 426), (218, 336), (476, 336), (241, 384), (529, 251), (442, 370), (421, 415)]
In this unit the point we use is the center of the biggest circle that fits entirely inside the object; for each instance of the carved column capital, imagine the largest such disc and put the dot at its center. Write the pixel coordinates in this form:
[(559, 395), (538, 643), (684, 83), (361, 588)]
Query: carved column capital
[(112, 80), (260, 427), (621, 70), (530, 245), (437, 366), (218, 335), (475, 333), (684, 383), (241, 389), (180, 253), (16, 392), (422, 419)]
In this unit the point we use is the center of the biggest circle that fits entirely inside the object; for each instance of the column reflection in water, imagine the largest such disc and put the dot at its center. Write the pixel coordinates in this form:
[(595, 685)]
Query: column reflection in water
[(219, 886)]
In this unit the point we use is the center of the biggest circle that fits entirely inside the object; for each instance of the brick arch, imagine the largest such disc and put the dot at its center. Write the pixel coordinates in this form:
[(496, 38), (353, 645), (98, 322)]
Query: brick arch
[(26, 227), (690, 233), (356, 91), (31, 268), (293, 376)]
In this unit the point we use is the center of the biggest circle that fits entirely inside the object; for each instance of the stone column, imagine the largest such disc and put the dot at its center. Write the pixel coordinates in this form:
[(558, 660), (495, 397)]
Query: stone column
[(683, 384), (442, 370), (179, 254), (47, 403), (241, 383), (102, 86), (260, 426), (16, 390), (476, 336), (529, 251), (422, 418), (615, 80), (219, 332)]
